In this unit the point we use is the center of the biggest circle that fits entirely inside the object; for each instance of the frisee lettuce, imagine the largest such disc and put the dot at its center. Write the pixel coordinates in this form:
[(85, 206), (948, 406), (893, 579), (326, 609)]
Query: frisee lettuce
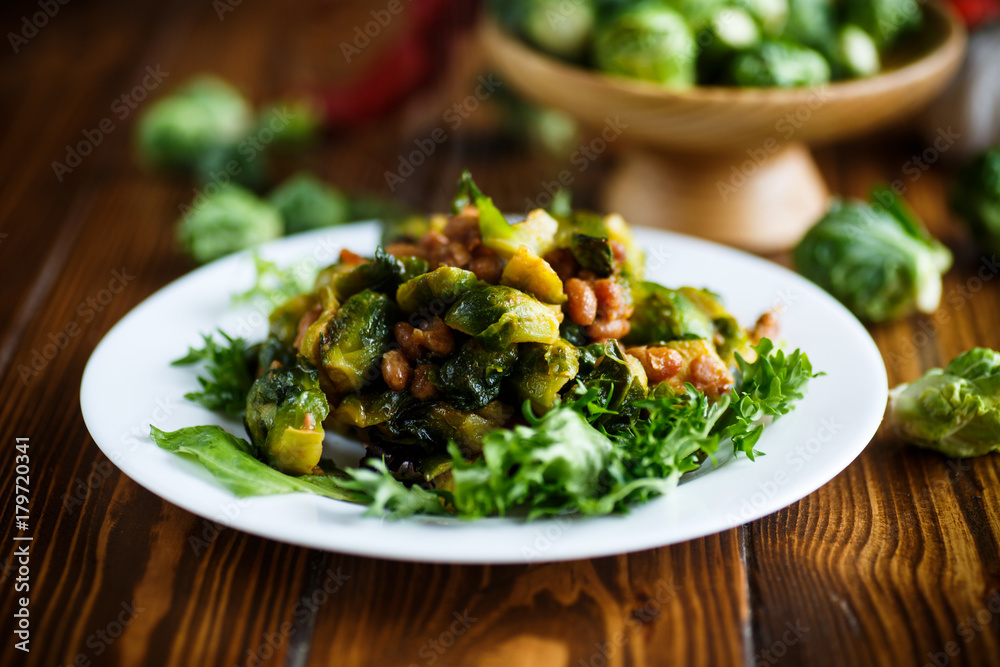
[(227, 377), (558, 463)]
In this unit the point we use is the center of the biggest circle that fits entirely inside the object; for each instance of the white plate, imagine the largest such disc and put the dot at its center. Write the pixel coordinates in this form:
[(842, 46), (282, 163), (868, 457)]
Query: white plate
[(129, 383)]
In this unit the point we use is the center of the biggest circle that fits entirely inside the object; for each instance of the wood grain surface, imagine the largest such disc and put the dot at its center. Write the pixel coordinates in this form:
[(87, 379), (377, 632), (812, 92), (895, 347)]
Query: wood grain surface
[(894, 562)]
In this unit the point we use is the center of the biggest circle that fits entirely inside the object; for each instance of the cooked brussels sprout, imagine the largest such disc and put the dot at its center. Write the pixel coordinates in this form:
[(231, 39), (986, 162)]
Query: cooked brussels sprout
[(730, 337), (878, 260), (471, 378), (559, 27), (284, 418), (529, 273), (229, 220), (383, 273), (780, 64), (611, 227), (855, 53), (594, 254), (435, 291), (955, 411), (352, 344), (499, 316), (885, 20), (650, 42), (305, 203), (179, 129), (542, 371), (618, 377), (284, 320), (976, 198), (661, 314)]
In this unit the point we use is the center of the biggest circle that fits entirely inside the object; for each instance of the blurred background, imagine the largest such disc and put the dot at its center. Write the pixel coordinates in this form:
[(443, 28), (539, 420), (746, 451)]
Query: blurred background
[(390, 100)]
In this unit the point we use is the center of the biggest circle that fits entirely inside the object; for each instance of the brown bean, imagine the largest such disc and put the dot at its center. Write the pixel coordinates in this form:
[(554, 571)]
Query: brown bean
[(612, 302), (436, 337), (403, 333), (582, 304), (395, 370), (710, 375), (608, 329), (422, 388), (487, 268)]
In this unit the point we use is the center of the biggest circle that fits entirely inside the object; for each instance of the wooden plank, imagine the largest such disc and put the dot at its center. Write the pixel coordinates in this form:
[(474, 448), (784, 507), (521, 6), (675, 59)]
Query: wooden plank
[(889, 561), (679, 605)]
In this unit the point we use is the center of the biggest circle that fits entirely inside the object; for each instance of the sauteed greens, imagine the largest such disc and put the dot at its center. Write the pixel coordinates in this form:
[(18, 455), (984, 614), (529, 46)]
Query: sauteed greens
[(491, 369)]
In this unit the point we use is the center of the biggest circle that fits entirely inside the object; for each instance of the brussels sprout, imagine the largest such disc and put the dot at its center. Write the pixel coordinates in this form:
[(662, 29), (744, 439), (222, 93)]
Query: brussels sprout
[(285, 413), (729, 337), (611, 227), (811, 22), (559, 27), (499, 316), (230, 220), (594, 254), (436, 290), (221, 164), (855, 53), (352, 344), (650, 42), (879, 260), (384, 273), (203, 114), (272, 350), (305, 203), (955, 411), (697, 13), (529, 273), (689, 350), (309, 347), (976, 198), (542, 371), (471, 378), (361, 411), (294, 123), (771, 15), (779, 64), (661, 314), (537, 231), (284, 320), (573, 333), (445, 423), (618, 377), (885, 20)]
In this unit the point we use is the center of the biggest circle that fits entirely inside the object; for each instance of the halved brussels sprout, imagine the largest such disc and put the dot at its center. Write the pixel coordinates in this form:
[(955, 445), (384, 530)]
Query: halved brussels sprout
[(351, 345), (442, 286), (661, 314), (284, 320), (499, 316), (611, 227), (383, 274), (619, 378), (471, 378), (594, 254), (529, 273), (284, 418), (542, 371)]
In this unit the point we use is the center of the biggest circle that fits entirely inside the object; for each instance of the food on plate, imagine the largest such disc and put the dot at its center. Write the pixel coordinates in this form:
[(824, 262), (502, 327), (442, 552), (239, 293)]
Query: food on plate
[(492, 368), (955, 411), (878, 259), (749, 43), (976, 198)]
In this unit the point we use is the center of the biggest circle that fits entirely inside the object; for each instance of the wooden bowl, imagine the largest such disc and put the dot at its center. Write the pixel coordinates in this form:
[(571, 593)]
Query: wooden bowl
[(729, 164)]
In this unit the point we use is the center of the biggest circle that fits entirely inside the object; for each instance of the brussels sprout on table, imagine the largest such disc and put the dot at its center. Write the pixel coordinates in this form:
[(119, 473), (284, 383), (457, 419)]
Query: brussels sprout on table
[(203, 115), (976, 198), (227, 221), (878, 259), (955, 411), (305, 203)]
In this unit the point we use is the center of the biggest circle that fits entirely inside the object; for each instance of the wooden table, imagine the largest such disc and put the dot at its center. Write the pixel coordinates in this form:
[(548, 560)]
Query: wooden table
[(894, 562)]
